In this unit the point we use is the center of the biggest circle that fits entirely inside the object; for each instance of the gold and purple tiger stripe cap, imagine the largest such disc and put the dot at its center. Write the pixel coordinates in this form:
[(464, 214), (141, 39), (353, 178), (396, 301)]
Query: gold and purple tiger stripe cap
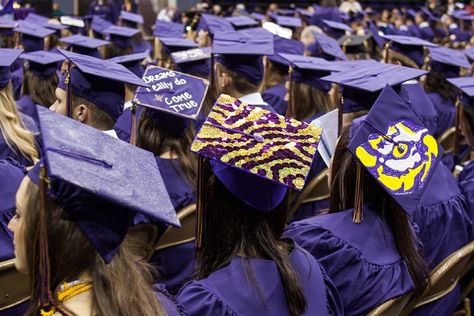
[(258, 141)]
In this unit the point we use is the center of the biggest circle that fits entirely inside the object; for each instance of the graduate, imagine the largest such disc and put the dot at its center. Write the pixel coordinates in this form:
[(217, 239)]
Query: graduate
[(168, 45), (120, 40), (40, 81), (276, 72), (196, 61), (105, 8), (17, 130), (89, 184), (208, 26), (325, 47), (244, 268), (135, 21), (239, 67), (92, 91), (85, 45)]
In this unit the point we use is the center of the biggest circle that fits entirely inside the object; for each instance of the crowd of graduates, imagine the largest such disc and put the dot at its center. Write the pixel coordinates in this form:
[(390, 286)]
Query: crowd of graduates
[(166, 171)]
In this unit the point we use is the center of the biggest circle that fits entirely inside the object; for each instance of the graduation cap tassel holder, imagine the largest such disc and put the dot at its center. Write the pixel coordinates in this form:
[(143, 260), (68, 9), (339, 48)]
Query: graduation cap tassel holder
[(357, 215)]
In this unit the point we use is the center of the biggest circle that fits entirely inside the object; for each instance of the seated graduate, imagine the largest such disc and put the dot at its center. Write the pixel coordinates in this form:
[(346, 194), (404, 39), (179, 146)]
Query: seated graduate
[(366, 243), (325, 47), (7, 35), (168, 45), (16, 130), (244, 268), (85, 45), (135, 21), (196, 62), (276, 72), (105, 8), (11, 175), (92, 91), (85, 194), (239, 67), (40, 81), (208, 26), (120, 40)]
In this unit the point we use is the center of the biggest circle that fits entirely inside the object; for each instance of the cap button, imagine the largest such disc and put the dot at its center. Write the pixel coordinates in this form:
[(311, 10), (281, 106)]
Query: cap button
[(259, 138)]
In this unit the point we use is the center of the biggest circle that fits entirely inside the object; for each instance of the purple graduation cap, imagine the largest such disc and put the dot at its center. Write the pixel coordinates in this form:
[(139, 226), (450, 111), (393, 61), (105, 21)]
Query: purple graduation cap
[(174, 97), (354, 44), (336, 29), (7, 58), (447, 62), (287, 12), (286, 21), (214, 24), (90, 180), (255, 153), (41, 63), (132, 62), (168, 29), (258, 16), (131, 19), (309, 70), (195, 61), (7, 26), (44, 22), (242, 51), (466, 86), (99, 25), (410, 46), (98, 81), (176, 44), (84, 45), (121, 36), (469, 52), (32, 35), (326, 47), (462, 15), (395, 148), (283, 45), (242, 21)]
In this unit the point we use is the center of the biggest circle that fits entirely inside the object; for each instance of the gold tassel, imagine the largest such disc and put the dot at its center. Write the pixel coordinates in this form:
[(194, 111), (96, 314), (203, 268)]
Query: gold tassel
[(358, 216)]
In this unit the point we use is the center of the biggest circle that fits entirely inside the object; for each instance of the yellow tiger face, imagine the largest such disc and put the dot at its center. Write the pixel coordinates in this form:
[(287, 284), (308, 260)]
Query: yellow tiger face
[(403, 165)]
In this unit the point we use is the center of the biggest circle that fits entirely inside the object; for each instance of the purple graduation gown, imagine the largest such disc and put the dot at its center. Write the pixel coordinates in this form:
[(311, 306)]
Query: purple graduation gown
[(123, 126), (275, 96), (446, 112), (169, 303), (228, 290), (361, 259)]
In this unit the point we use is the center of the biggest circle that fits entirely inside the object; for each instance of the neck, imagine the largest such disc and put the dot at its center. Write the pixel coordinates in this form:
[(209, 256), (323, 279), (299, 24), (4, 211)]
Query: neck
[(129, 94)]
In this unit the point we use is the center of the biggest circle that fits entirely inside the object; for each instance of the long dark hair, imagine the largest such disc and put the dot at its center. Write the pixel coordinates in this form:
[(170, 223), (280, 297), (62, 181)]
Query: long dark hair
[(122, 287), (343, 191), (153, 137), (435, 82), (41, 90), (232, 228)]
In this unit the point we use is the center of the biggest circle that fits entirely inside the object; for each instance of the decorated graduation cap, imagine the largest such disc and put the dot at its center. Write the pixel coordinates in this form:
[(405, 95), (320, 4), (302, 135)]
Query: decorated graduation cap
[(395, 149), (326, 47), (84, 45), (176, 44), (214, 24), (286, 21), (32, 35), (242, 51), (354, 44), (410, 46), (131, 19), (174, 97), (132, 62), (361, 85), (447, 61), (7, 58), (242, 21), (255, 153), (98, 189), (98, 81), (283, 45), (336, 29), (195, 61), (41, 63), (168, 29), (121, 36)]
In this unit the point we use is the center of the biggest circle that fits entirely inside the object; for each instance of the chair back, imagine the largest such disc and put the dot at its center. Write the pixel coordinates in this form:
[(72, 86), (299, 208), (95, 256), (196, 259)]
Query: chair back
[(447, 140), (176, 236), (14, 287), (394, 306)]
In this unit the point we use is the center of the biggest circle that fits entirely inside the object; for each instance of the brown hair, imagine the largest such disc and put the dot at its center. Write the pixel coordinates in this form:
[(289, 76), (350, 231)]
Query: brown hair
[(158, 140), (343, 195), (394, 57), (308, 101), (40, 89), (98, 118), (436, 83), (241, 85), (122, 287), (274, 74), (231, 228)]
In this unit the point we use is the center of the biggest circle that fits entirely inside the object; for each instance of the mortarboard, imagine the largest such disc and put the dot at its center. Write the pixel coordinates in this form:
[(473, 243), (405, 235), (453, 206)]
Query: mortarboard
[(466, 86), (469, 52), (336, 29), (241, 51), (132, 62), (462, 15), (242, 21), (258, 16), (99, 25), (176, 97), (396, 149), (195, 61), (326, 47), (84, 45), (376, 34), (214, 24), (283, 45), (328, 141), (286, 12), (41, 63), (309, 70), (98, 81), (7, 26), (99, 190), (131, 17), (286, 21), (176, 44), (121, 36), (447, 61), (168, 29), (7, 58), (410, 46), (354, 44), (255, 153), (44, 22), (32, 35)]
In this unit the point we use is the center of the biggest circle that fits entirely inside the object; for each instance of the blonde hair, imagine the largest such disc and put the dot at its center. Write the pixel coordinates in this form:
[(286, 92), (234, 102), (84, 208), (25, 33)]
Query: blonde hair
[(16, 135)]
